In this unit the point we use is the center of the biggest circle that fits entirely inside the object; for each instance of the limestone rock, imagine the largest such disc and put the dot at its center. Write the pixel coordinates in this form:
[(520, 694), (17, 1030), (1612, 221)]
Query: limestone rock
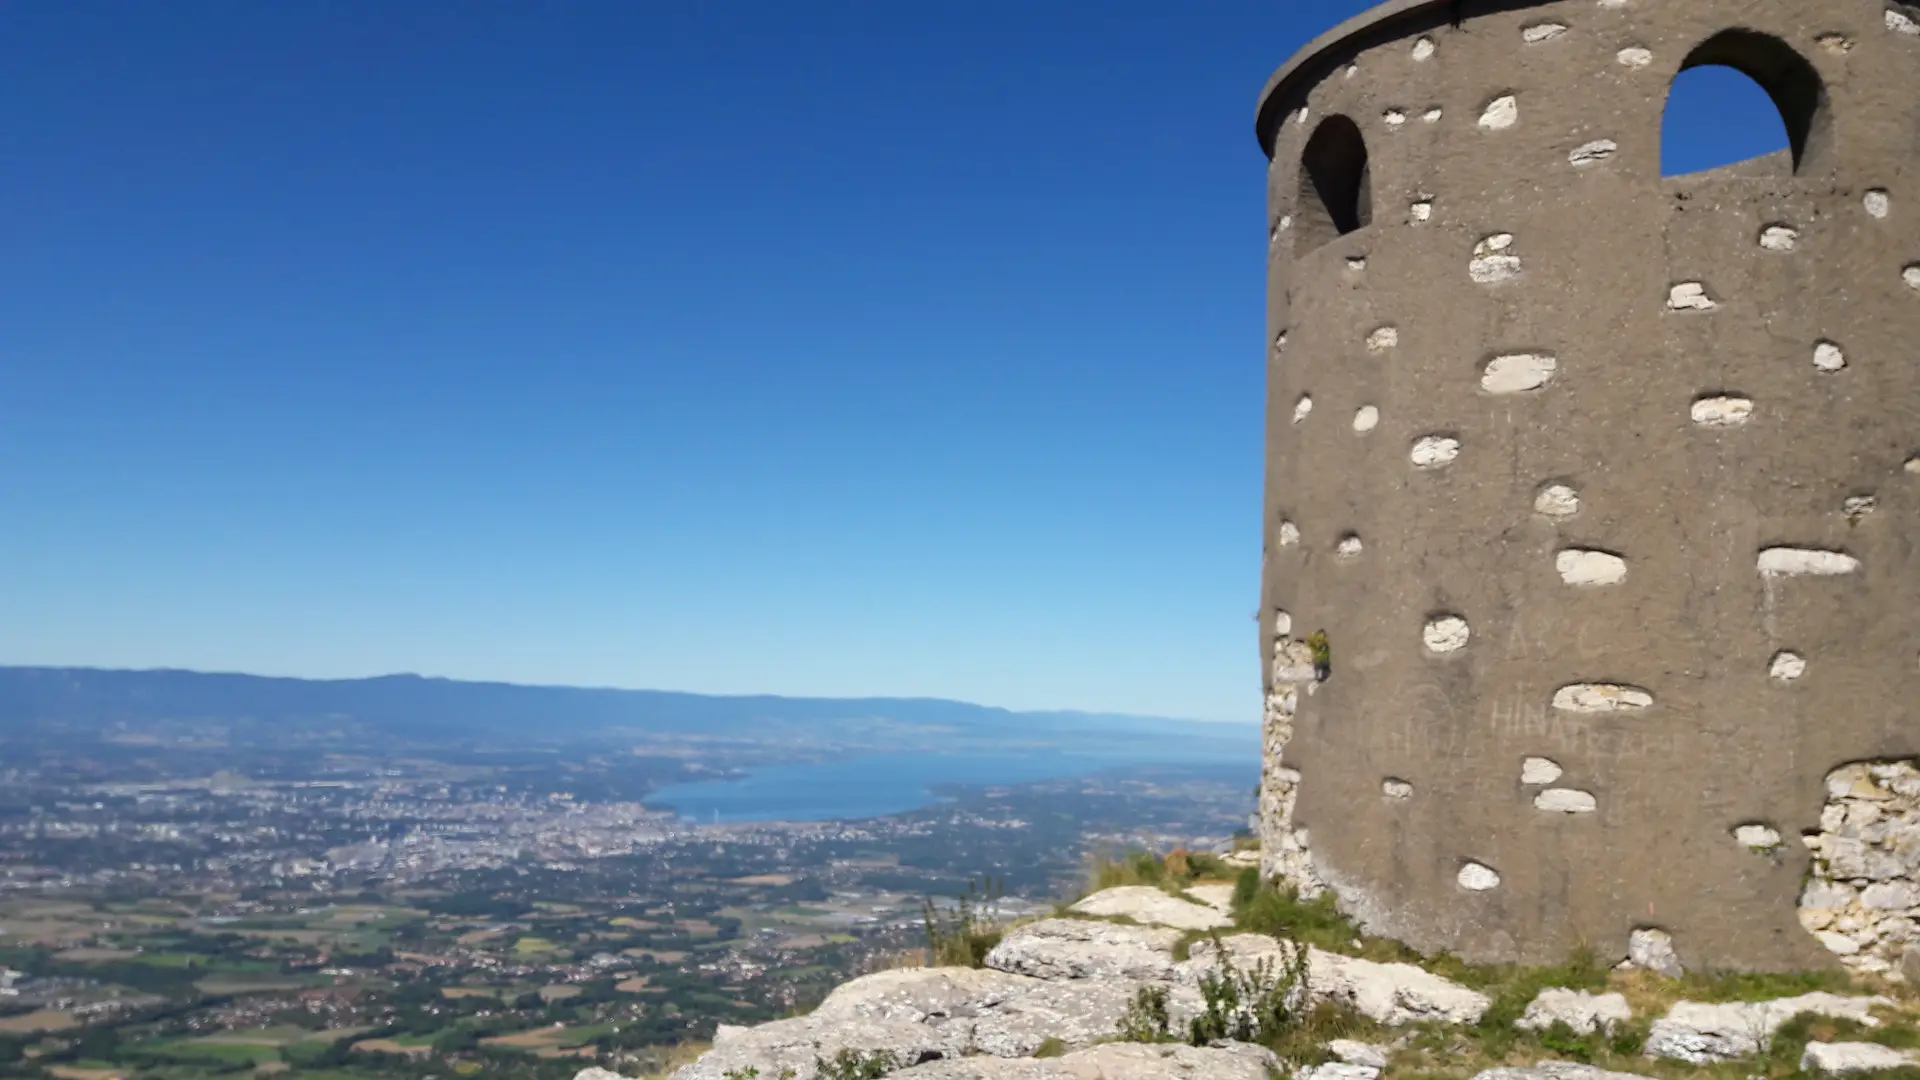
[(1085, 949), (595, 1072), (1555, 1070), (1114, 1061), (1579, 1010), (1391, 994), (1653, 950), (1148, 905), (1840, 1059), (1354, 1052), (1702, 1034), (1218, 897), (1338, 1070)]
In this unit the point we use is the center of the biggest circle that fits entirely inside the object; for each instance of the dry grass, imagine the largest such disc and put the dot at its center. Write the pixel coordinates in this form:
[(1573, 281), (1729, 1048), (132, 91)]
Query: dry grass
[(40, 1020)]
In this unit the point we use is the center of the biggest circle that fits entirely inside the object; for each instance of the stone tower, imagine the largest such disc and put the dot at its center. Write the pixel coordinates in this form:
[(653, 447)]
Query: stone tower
[(1605, 487)]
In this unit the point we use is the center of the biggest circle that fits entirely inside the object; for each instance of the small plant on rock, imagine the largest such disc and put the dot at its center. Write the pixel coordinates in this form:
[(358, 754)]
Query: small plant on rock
[(1261, 1004), (851, 1064), (1146, 1019), (964, 936)]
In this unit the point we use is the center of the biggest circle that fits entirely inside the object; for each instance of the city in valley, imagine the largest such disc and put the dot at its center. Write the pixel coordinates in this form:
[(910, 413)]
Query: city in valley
[(195, 900)]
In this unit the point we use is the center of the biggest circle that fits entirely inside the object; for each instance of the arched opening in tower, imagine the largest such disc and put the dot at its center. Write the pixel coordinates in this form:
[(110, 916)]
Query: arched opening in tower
[(1744, 103), (1335, 196)]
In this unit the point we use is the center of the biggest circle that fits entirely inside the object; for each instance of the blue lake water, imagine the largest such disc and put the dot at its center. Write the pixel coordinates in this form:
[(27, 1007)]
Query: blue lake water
[(863, 787)]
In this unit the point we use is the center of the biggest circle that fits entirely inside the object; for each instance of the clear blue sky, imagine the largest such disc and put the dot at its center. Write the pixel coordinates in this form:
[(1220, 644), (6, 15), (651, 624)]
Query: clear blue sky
[(820, 348)]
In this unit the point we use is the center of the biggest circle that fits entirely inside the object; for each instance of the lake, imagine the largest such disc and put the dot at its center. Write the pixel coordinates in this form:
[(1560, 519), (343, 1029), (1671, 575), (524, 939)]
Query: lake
[(863, 787)]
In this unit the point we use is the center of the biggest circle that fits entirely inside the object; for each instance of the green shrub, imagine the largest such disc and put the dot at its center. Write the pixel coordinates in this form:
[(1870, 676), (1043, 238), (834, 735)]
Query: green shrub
[(1146, 1018), (1260, 1005), (1270, 909), (850, 1064), (964, 936)]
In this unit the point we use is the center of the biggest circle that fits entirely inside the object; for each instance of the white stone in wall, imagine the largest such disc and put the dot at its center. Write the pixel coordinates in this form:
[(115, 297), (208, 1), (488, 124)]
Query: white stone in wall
[(1366, 419), (1539, 32), (1600, 698), (1787, 666), (1493, 260), (1301, 408), (1393, 118), (1689, 296), (1352, 70), (1475, 877), (1756, 837), (1349, 546), (1877, 203), (1433, 451), (1634, 56), (1538, 770), (1805, 562), (1583, 567), (1432, 115), (1280, 342), (1517, 373), (1557, 501), (1828, 357), (1651, 949), (1500, 114), (1912, 466), (1837, 44), (1301, 116), (1382, 339), (1446, 633), (1779, 237), (1900, 23), (1857, 508), (1282, 625), (1356, 263), (1289, 534), (1423, 211), (1565, 801), (1592, 153), (1862, 897), (1613, 3), (1396, 789), (1423, 48), (1722, 411)]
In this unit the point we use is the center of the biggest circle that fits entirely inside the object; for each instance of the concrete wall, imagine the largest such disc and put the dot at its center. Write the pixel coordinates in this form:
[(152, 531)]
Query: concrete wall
[(1608, 491)]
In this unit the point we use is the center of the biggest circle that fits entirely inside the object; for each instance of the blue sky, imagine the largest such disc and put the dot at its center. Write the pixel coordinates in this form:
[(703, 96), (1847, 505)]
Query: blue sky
[(827, 348)]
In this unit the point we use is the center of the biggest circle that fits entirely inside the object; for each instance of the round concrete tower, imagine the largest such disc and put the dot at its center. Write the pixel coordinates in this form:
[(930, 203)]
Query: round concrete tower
[(1604, 487)]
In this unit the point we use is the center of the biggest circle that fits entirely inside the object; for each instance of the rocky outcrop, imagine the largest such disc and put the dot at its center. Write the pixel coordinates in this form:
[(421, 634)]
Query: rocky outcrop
[(1153, 907), (1391, 994), (1555, 1070), (1115, 1061), (1583, 1012), (1703, 1034), (1844, 1058), (1086, 949)]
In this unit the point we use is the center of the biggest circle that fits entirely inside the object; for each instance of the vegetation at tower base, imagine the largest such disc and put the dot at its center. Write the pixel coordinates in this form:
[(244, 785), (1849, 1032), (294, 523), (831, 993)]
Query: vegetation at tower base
[(1600, 482)]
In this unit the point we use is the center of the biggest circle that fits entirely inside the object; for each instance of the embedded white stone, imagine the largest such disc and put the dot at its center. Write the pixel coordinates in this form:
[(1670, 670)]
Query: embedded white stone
[(1477, 878), (1779, 237), (1634, 56), (1857, 507), (1432, 115), (1900, 23), (1301, 408), (1582, 567), (1565, 801), (1446, 633), (1356, 263), (1289, 534), (1722, 411), (1592, 153), (1837, 44), (1517, 373), (1282, 624), (1423, 48), (1433, 451), (1600, 698), (1301, 116), (1758, 837), (1366, 419), (1538, 770), (1280, 342), (1539, 32), (1613, 3), (1382, 339), (1423, 211), (1689, 296), (1348, 547), (1787, 666), (1501, 113), (1911, 275), (1493, 260), (1394, 117), (1877, 203), (1557, 501), (1352, 70), (1396, 789), (1828, 357), (1913, 465), (1805, 562), (1653, 950)]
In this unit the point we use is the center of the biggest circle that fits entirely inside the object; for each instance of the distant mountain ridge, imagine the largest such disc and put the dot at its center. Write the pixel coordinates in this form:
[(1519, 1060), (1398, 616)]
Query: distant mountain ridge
[(417, 706)]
